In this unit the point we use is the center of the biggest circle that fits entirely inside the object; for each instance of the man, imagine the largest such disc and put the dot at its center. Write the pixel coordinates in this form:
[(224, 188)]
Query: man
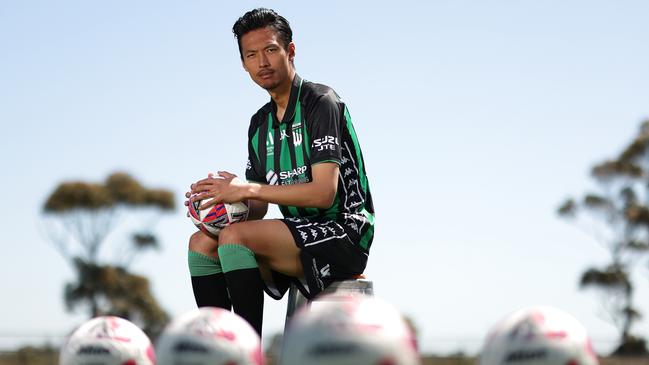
[(303, 156)]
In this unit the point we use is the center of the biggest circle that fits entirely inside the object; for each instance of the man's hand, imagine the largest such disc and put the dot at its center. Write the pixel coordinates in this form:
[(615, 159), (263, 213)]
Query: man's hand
[(225, 188)]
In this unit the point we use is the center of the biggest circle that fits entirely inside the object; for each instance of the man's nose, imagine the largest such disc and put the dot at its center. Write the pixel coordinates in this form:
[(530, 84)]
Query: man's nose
[(263, 60)]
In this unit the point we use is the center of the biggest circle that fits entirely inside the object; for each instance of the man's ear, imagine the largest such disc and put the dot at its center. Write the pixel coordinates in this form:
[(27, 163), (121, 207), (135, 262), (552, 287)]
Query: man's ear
[(291, 51)]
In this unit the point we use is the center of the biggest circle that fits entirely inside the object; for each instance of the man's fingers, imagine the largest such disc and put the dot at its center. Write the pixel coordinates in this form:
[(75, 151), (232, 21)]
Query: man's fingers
[(203, 185), (226, 175), (208, 204)]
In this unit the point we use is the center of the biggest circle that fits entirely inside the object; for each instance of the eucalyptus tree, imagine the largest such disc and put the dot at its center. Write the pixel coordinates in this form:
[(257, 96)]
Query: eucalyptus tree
[(617, 216), (82, 221)]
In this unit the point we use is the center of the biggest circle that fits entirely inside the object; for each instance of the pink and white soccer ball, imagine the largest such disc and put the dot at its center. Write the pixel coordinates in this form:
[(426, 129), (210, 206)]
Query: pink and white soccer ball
[(341, 330), (107, 340), (538, 336), (213, 219), (209, 336)]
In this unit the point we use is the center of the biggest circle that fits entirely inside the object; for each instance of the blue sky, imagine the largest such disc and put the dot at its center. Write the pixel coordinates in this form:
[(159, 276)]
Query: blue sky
[(477, 119)]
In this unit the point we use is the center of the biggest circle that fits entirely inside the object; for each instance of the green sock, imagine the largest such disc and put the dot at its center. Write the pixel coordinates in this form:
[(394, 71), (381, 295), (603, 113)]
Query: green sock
[(244, 282), (202, 265), (236, 257)]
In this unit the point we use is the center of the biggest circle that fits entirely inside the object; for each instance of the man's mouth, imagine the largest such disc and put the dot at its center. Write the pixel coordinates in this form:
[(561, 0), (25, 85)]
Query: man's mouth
[(265, 74)]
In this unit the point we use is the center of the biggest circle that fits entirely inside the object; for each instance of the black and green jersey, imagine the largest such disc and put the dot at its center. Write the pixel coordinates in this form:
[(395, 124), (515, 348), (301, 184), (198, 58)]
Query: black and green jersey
[(316, 128)]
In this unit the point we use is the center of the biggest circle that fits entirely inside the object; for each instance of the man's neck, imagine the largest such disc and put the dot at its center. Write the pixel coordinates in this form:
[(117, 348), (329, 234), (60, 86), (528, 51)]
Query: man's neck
[(282, 93)]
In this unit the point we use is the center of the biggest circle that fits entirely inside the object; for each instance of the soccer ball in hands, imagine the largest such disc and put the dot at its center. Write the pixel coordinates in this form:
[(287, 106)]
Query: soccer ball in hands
[(352, 329), (538, 336), (107, 340), (209, 336), (213, 219)]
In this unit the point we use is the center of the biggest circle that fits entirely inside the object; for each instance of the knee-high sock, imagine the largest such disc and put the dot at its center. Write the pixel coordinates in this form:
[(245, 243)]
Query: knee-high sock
[(244, 283), (208, 281)]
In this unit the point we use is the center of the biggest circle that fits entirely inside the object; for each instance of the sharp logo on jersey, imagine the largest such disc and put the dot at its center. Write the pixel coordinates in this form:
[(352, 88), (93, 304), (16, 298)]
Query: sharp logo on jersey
[(283, 175), (248, 165), (271, 177), (325, 143)]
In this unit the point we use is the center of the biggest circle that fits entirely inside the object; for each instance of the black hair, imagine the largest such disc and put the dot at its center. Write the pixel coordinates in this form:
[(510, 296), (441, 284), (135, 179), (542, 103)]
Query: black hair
[(262, 18)]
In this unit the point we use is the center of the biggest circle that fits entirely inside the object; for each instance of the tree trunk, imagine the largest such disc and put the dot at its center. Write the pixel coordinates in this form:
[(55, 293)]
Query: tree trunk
[(94, 307)]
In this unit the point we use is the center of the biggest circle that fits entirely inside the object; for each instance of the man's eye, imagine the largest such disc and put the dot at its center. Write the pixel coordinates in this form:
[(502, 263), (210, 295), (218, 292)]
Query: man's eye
[(250, 55), (271, 50)]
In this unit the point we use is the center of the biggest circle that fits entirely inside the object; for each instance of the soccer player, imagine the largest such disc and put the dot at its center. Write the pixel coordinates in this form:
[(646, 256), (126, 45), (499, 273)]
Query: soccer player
[(305, 157)]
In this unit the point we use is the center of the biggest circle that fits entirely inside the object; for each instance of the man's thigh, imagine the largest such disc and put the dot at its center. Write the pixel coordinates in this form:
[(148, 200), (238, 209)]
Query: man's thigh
[(270, 240)]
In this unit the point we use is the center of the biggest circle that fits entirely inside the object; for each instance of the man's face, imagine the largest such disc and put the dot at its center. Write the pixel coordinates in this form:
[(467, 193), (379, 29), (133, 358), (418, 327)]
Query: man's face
[(265, 59)]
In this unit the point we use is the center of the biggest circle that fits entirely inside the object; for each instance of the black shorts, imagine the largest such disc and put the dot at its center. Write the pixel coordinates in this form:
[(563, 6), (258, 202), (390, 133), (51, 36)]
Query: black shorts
[(329, 251)]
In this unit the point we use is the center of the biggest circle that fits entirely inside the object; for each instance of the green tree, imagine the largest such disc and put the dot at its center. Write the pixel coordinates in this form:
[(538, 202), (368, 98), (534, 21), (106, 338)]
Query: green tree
[(618, 217), (79, 217)]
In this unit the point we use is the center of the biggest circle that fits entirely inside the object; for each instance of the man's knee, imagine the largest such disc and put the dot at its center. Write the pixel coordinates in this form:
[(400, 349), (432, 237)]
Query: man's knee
[(231, 234), (200, 242)]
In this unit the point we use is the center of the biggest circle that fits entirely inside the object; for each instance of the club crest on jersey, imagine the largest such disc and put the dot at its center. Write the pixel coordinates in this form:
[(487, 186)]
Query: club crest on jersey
[(297, 133), (297, 137)]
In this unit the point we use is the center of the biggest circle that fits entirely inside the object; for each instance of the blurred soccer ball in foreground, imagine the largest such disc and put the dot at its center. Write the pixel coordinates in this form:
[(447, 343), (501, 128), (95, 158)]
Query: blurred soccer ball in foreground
[(107, 341), (538, 336), (357, 330), (217, 217), (209, 336)]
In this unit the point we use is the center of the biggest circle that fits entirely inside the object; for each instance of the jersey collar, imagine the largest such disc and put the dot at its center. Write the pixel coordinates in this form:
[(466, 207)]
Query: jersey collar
[(292, 102)]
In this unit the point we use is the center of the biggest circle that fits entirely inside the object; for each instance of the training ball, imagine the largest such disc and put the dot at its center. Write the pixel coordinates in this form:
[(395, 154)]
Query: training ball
[(209, 336), (359, 330), (107, 340), (538, 336), (213, 219)]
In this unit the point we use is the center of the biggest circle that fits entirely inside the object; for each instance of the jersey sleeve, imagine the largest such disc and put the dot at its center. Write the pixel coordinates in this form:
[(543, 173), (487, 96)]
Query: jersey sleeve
[(254, 170), (324, 130)]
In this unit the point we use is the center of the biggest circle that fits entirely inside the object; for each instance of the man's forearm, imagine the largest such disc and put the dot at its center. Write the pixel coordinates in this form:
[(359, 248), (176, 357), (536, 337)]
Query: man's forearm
[(308, 195)]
